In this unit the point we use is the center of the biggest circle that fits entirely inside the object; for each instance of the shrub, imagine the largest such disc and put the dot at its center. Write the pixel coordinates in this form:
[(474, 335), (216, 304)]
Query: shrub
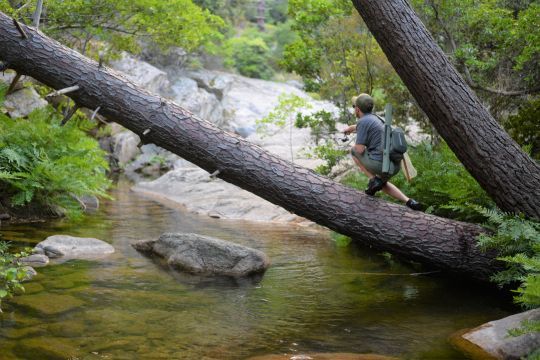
[(524, 127), (517, 240), (250, 56), (331, 154), (12, 272), (48, 164)]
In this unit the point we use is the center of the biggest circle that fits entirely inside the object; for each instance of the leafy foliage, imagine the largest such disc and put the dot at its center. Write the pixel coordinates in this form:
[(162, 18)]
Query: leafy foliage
[(495, 44), (524, 127), (254, 53), (12, 272), (250, 56), (323, 126), (282, 114), (321, 123), (338, 57), (52, 165), (517, 240), (123, 23)]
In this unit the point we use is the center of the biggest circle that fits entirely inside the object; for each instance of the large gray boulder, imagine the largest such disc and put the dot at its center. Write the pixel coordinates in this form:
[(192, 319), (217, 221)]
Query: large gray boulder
[(200, 194), (492, 338), (142, 73), (70, 247), (205, 255), (199, 101)]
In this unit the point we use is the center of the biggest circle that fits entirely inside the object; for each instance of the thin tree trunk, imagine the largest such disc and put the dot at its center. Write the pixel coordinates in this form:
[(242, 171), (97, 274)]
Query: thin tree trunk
[(261, 10), (37, 14), (446, 244), (508, 175)]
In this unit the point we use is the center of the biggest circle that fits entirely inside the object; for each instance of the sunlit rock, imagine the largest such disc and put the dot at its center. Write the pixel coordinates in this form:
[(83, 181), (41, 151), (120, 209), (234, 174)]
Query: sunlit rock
[(201, 194), (491, 340), (69, 247), (142, 73), (199, 101), (199, 254)]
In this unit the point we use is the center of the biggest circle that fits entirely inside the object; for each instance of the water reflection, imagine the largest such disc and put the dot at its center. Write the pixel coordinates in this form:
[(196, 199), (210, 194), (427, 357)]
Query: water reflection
[(315, 297)]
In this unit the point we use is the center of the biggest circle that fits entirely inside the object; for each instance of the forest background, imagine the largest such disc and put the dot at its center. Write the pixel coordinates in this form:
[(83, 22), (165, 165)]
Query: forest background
[(495, 44)]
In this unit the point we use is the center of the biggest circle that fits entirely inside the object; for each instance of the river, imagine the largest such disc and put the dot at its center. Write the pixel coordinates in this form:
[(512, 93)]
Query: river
[(316, 297)]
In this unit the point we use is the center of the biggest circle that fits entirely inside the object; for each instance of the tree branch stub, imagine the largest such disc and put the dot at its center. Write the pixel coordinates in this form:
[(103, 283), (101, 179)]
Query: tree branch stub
[(69, 114), (63, 91), (20, 29), (14, 83)]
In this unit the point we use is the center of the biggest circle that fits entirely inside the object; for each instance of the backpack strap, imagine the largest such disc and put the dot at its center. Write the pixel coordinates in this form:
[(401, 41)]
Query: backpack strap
[(380, 118)]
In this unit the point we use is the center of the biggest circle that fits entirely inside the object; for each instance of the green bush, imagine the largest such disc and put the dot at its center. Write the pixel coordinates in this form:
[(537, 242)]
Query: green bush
[(517, 240), (331, 154), (48, 164), (12, 272), (524, 127), (250, 56)]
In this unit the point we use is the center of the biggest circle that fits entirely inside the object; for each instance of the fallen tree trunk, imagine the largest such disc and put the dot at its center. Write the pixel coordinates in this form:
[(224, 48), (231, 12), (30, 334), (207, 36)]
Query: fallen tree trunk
[(446, 244), (509, 176)]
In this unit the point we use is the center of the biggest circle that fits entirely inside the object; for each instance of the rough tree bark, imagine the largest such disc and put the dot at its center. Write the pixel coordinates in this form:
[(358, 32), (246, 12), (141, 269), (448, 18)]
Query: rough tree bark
[(508, 175), (443, 243)]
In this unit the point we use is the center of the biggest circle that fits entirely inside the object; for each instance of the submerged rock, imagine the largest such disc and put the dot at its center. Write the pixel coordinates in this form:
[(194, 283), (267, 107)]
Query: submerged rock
[(205, 255), (491, 340), (70, 247), (324, 356), (49, 303), (36, 260), (30, 273)]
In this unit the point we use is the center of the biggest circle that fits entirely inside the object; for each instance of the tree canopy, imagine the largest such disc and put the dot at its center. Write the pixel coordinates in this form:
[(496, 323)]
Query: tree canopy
[(125, 24)]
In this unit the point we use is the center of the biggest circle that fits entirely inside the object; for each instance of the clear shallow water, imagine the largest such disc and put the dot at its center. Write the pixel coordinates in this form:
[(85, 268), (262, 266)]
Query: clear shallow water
[(316, 297)]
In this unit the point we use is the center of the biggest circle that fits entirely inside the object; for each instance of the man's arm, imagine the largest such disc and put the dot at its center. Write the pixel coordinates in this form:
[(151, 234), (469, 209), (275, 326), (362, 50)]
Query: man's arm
[(359, 148), (349, 130)]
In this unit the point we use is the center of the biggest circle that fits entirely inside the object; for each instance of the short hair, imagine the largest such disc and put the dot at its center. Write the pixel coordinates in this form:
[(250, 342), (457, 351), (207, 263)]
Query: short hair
[(364, 102)]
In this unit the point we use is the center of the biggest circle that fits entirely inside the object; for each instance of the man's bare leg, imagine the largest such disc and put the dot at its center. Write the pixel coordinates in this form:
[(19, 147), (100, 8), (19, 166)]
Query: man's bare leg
[(393, 191), (389, 188)]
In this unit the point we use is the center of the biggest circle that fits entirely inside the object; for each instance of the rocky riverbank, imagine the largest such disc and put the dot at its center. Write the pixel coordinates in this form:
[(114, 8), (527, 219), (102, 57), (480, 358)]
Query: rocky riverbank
[(232, 102)]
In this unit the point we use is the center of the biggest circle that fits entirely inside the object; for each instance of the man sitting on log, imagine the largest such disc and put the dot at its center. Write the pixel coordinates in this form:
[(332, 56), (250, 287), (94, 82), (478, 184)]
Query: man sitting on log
[(367, 152)]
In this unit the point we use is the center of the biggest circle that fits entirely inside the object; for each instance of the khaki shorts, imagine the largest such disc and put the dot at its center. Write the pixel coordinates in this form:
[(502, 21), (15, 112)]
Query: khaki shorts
[(375, 166)]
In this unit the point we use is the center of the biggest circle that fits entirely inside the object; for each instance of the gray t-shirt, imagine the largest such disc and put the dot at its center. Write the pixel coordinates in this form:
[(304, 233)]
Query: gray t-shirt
[(369, 132)]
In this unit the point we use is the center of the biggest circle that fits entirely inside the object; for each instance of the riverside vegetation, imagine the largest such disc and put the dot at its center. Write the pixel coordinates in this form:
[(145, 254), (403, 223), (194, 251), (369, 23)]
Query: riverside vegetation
[(49, 167), (494, 44)]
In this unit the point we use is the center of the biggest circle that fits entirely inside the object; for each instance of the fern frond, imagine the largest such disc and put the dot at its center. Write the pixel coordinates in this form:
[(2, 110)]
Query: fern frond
[(12, 156)]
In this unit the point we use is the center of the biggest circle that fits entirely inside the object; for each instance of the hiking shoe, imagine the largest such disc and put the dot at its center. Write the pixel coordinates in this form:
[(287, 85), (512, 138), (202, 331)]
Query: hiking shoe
[(375, 184), (413, 204)]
